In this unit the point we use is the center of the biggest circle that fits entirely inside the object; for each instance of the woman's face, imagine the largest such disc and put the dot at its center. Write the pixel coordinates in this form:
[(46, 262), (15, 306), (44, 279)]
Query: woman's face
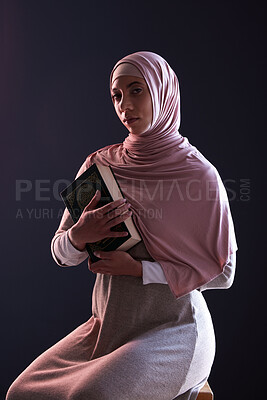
[(132, 102)]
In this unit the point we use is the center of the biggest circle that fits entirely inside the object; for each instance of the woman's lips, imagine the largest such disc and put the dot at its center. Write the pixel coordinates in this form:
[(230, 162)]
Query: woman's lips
[(131, 121)]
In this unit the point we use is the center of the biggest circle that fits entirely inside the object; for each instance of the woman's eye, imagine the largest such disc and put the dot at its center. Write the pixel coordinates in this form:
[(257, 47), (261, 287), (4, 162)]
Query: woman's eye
[(137, 90), (115, 97)]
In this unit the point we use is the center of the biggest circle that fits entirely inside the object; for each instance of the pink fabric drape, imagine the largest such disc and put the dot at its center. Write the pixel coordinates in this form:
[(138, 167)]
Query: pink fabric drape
[(179, 202)]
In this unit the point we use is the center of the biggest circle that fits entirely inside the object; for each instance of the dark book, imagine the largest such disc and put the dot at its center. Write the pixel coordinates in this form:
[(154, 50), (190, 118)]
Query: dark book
[(80, 192)]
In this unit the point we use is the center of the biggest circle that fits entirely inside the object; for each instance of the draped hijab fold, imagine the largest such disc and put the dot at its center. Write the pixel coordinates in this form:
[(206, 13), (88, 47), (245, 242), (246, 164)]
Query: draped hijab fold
[(179, 202)]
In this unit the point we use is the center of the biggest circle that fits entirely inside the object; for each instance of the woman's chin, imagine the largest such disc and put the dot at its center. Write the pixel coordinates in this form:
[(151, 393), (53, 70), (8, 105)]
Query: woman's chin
[(136, 131)]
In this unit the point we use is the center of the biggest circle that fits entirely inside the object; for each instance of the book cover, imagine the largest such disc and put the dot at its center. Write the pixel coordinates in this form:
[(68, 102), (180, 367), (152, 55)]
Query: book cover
[(80, 192)]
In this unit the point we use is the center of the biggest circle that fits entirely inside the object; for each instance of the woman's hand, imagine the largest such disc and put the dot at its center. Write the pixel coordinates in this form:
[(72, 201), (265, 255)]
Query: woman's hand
[(94, 224), (115, 263)]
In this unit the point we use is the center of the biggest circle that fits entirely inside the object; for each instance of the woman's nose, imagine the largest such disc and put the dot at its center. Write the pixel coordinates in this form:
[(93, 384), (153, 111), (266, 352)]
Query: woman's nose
[(125, 103)]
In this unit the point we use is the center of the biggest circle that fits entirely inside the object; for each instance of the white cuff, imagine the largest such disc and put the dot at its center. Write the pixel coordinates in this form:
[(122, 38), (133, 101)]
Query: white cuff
[(153, 273), (65, 254), (225, 279)]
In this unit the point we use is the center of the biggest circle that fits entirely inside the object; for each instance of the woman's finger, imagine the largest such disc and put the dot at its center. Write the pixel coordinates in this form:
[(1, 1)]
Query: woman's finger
[(115, 221), (93, 203), (104, 255), (110, 206), (117, 234), (99, 270), (118, 211), (103, 272)]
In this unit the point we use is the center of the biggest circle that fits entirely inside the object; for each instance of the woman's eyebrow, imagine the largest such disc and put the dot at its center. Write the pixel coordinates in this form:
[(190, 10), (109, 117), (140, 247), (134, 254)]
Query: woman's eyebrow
[(130, 84)]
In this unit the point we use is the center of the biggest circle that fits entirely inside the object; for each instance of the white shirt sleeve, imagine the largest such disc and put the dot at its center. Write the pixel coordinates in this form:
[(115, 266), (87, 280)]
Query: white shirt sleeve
[(225, 279), (64, 253), (153, 272)]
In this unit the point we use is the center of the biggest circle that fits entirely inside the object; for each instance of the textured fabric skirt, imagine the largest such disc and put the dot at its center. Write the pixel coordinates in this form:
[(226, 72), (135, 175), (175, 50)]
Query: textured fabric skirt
[(139, 344)]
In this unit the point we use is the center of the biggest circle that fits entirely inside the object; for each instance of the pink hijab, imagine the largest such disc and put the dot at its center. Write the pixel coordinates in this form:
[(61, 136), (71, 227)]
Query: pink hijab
[(179, 203)]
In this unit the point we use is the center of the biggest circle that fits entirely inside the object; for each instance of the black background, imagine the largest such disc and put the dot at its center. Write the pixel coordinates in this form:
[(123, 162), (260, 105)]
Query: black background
[(56, 57)]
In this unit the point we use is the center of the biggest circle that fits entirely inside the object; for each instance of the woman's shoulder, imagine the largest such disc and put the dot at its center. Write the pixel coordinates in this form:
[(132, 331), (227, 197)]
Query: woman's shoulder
[(203, 165), (210, 177), (96, 156), (101, 153)]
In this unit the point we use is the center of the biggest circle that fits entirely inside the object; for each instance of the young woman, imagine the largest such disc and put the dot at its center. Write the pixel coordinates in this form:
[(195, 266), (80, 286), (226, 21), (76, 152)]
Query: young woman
[(150, 336)]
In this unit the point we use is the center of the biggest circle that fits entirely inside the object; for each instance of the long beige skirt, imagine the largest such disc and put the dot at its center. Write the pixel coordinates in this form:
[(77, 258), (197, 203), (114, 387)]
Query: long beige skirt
[(139, 344)]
